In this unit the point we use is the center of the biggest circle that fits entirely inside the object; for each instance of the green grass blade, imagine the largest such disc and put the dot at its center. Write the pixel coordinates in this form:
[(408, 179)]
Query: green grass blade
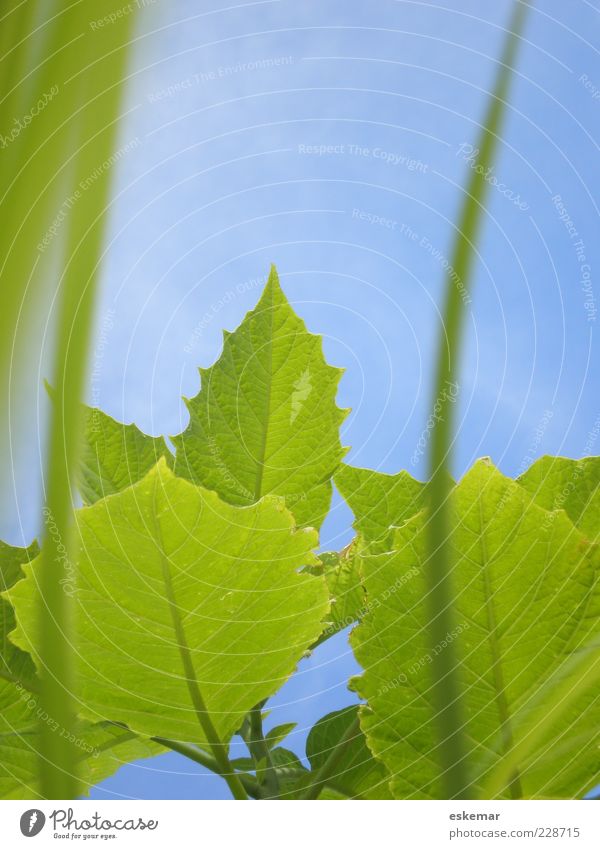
[(446, 686), (43, 174)]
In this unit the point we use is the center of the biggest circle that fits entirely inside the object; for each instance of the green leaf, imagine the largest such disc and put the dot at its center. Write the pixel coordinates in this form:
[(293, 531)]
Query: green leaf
[(102, 747), (115, 455), (244, 764), (107, 747), (346, 592), (357, 774), (331, 795), (112, 455), (168, 574), (526, 592), (15, 665), (557, 483), (16, 668), (265, 421), (286, 758), (379, 501), (291, 774), (279, 733), (568, 699)]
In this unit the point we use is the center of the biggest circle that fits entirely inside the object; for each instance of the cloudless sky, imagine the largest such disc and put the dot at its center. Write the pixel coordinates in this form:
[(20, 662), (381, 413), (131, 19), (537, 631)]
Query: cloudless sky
[(326, 137)]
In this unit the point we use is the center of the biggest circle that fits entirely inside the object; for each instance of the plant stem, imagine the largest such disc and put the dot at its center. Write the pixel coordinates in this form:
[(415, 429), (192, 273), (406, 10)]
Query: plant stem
[(214, 741), (197, 699), (195, 754), (446, 687), (261, 752), (327, 771)]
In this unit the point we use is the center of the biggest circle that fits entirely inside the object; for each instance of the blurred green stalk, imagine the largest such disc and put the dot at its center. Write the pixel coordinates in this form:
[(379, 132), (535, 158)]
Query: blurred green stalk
[(55, 171), (446, 687)]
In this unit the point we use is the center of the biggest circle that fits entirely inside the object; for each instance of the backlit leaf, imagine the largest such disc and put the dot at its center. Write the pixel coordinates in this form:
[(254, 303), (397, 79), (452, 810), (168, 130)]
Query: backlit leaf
[(558, 483), (526, 592), (115, 455), (265, 421), (346, 592), (378, 500), (101, 747), (166, 567), (357, 774)]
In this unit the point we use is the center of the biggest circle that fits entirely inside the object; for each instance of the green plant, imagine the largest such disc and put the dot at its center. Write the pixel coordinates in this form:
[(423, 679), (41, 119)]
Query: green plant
[(439, 566), (194, 581), (197, 589), (62, 82)]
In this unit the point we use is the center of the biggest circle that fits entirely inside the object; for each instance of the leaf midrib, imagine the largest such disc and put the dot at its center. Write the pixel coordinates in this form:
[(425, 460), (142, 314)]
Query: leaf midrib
[(180, 635), (265, 431), (498, 675)]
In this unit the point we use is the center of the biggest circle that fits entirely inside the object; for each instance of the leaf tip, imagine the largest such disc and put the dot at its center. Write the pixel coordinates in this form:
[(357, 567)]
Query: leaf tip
[(273, 293), (482, 464)]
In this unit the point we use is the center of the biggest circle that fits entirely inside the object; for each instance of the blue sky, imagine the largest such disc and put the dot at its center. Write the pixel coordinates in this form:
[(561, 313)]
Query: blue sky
[(326, 138)]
